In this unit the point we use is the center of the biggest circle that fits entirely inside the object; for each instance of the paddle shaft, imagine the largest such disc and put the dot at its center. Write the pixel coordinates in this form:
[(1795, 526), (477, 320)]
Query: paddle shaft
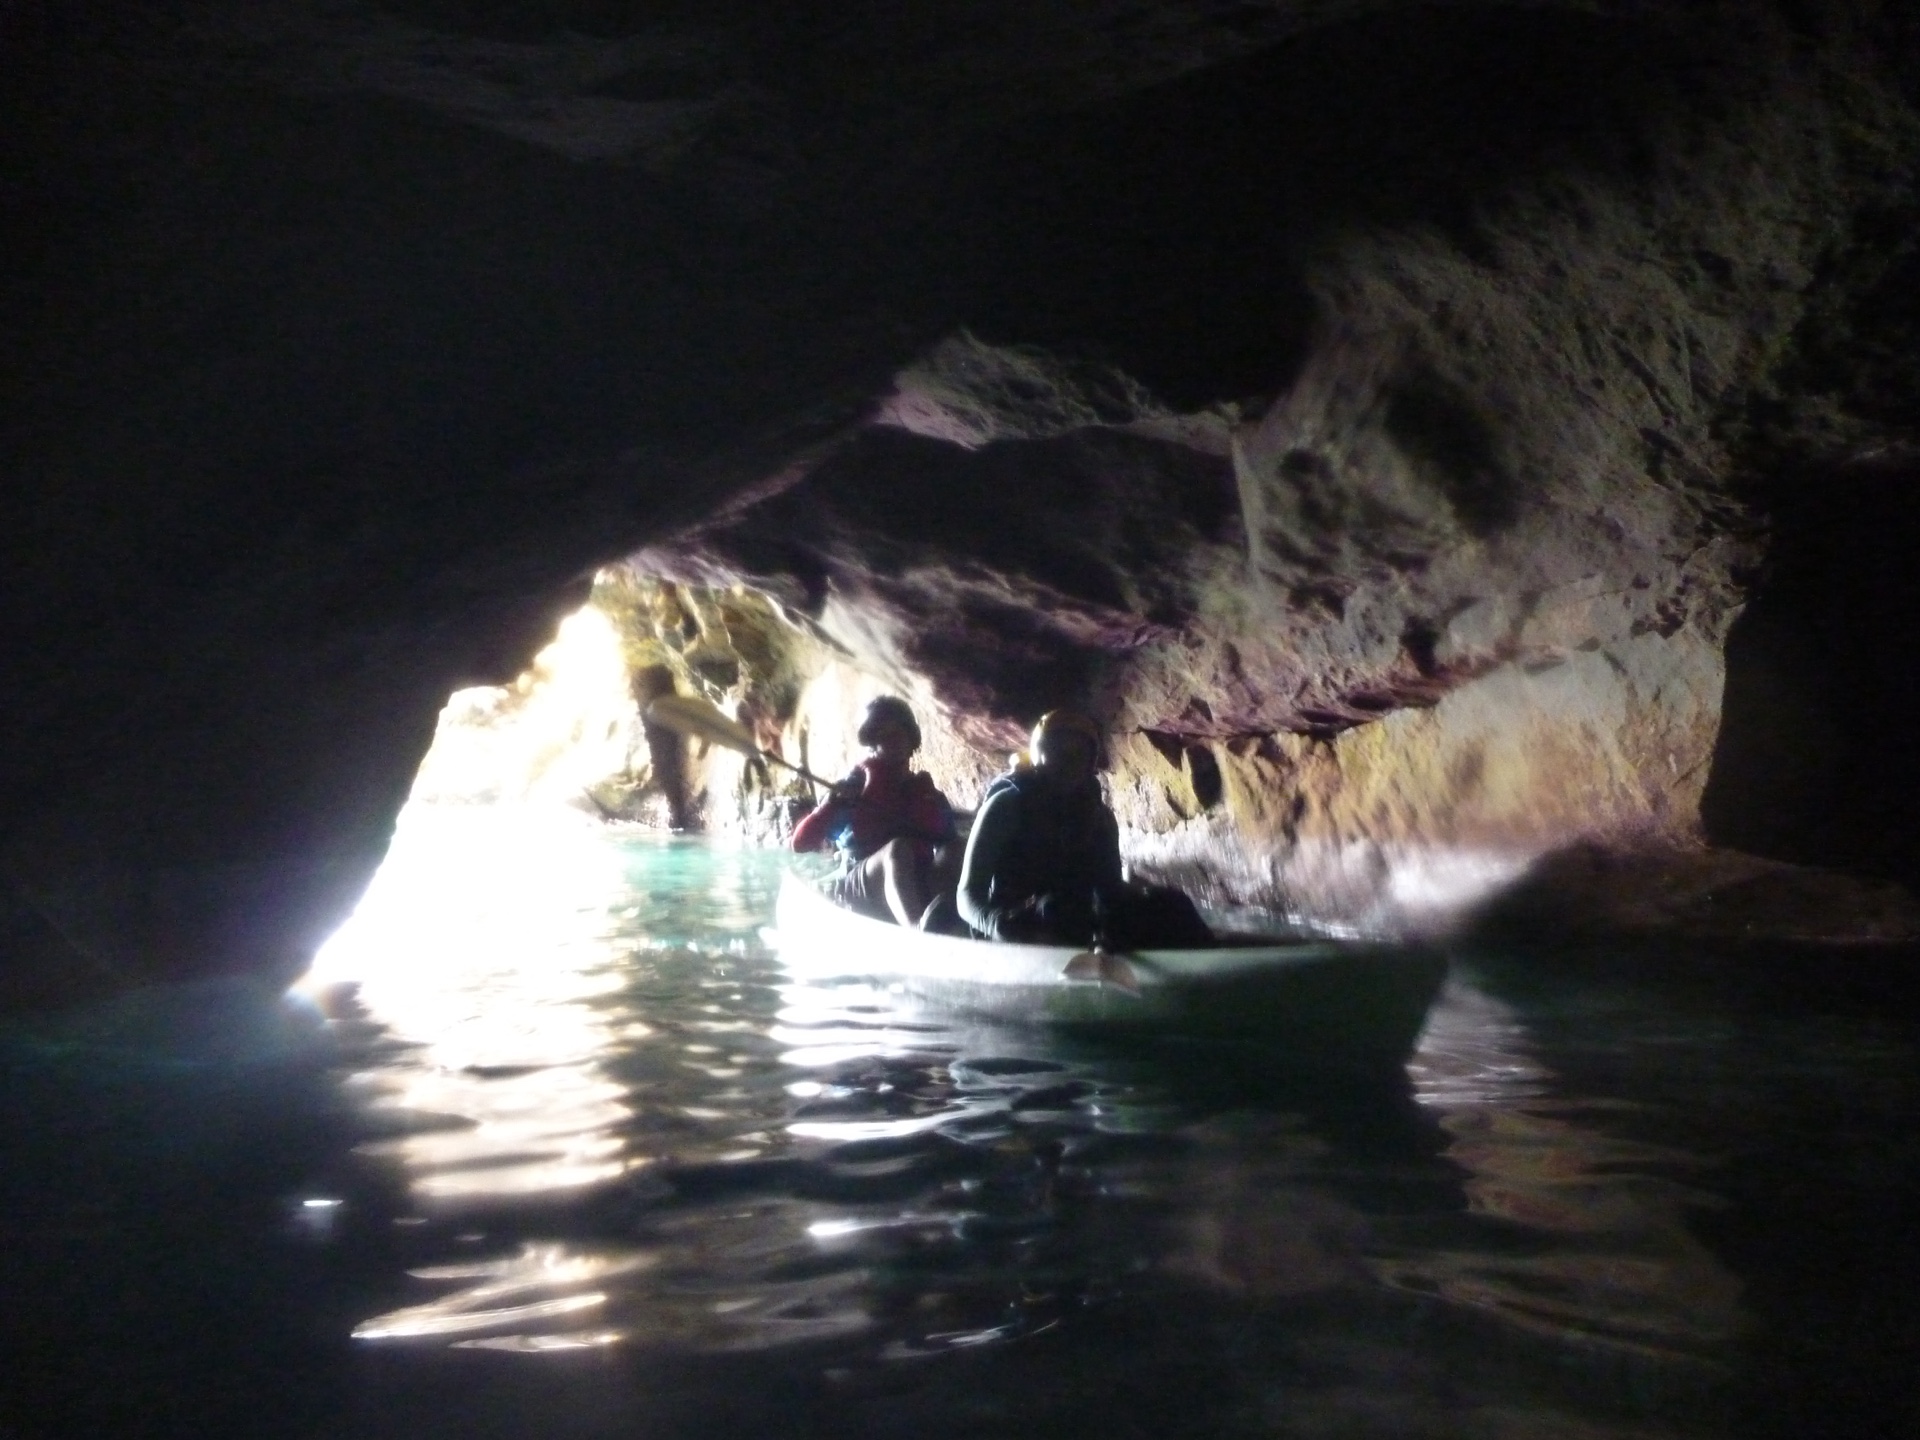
[(728, 742), (802, 772), (694, 719)]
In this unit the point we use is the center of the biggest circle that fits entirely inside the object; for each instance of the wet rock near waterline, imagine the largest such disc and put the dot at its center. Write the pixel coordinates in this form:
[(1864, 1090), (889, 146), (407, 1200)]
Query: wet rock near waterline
[(1398, 825), (1767, 928)]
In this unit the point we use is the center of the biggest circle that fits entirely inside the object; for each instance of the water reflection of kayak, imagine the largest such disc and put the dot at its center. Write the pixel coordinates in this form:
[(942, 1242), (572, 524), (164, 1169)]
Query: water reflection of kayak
[(1345, 1004)]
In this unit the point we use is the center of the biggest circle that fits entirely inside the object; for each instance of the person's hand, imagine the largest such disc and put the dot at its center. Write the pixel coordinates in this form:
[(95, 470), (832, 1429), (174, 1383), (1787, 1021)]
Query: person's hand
[(1070, 916), (1025, 922), (1047, 919)]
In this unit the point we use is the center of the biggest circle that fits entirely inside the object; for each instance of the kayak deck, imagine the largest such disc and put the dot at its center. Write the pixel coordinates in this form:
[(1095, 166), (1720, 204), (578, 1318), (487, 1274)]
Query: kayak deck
[(1329, 1002)]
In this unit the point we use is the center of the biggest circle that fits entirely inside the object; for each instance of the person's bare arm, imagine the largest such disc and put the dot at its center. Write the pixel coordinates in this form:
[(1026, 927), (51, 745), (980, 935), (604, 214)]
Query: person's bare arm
[(992, 828), (816, 827)]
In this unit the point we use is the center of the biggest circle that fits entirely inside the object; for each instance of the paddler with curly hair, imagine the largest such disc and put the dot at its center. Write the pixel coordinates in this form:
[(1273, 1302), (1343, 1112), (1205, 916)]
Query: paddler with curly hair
[(1043, 860), (886, 819)]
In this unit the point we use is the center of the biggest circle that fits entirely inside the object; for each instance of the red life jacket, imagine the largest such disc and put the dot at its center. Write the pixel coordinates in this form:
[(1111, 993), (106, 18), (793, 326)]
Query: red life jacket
[(892, 804)]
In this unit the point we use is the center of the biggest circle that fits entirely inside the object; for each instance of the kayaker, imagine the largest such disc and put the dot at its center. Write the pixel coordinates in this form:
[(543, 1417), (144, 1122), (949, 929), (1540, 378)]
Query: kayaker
[(886, 819), (1043, 861)]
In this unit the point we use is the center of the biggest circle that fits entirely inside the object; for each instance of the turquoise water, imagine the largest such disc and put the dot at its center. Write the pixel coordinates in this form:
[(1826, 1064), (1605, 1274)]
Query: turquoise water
[(553, 1147)]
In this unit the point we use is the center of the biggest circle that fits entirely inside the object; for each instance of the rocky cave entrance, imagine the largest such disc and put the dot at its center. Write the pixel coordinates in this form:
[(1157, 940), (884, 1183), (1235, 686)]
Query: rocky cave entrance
[(1376, 414), (1464, 454), (570, 731)]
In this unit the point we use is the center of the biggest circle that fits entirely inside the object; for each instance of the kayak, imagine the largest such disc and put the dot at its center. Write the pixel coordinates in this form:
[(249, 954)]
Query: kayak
[(1347, 1004)]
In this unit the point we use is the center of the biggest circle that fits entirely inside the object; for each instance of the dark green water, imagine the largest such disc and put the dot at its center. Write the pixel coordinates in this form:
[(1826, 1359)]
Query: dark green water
[(581, 1161)]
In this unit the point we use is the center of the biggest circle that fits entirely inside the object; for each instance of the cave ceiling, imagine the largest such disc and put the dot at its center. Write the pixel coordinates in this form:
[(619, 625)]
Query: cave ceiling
[(1242, 369)]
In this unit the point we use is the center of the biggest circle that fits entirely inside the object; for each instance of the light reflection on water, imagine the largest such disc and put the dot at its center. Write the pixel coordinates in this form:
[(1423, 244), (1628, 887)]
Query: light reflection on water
[(481, 946), (1595, 1227), (622, 1127)]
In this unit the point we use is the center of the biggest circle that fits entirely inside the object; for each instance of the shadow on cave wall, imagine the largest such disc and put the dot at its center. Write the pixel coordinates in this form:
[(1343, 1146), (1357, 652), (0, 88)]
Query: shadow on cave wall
[(1818, 760)]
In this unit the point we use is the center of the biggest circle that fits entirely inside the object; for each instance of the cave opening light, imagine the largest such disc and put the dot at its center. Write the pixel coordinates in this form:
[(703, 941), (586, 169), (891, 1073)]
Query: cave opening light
[(498, 849)]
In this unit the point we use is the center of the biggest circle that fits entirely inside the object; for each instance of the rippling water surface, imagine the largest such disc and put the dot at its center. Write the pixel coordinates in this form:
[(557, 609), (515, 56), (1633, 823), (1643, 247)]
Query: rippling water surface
[(568, 1154)]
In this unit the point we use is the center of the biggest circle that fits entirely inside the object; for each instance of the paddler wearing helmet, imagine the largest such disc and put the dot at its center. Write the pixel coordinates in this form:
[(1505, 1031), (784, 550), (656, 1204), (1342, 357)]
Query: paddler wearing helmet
[(1042, 864), (886, 820)]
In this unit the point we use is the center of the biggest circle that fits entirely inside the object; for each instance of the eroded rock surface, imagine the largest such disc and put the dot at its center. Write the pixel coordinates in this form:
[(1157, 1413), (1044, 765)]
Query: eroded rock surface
[(1454, 596)]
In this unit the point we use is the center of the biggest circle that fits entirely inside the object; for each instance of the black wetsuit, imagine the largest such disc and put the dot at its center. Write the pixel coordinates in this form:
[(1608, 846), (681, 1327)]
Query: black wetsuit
[(1038, 857)]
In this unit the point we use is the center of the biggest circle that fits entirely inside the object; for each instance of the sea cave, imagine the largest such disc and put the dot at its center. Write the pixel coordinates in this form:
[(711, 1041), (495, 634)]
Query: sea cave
[(1459, 454)]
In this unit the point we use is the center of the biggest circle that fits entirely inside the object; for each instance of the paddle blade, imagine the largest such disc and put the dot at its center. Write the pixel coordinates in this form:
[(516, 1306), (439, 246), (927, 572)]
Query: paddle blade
[(1083, 967), (1102, 968), (685, 715)]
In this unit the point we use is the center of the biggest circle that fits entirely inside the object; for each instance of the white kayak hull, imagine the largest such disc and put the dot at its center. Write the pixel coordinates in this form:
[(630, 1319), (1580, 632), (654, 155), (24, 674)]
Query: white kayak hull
[(1337, 1003)]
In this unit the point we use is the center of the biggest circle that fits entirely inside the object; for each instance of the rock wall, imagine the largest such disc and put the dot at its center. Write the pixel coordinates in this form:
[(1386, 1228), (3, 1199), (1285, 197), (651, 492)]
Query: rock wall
[(1584, 715), (1408, 821), (1455, 596), (1326, 363)]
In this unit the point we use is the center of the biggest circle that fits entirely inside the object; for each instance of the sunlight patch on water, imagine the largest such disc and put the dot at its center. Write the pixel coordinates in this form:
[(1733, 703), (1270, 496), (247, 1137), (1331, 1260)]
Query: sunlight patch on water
[(540, 1282), (483, 941)]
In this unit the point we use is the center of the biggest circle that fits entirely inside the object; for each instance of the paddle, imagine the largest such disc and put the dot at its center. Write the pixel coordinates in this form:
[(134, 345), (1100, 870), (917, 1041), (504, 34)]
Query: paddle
[(696, 719), (1103, 967)]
